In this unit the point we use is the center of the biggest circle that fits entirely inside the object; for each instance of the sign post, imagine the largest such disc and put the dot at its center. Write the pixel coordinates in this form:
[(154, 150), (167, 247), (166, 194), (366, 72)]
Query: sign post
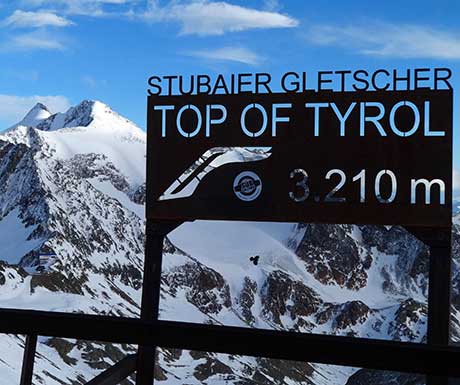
[(364, 157)]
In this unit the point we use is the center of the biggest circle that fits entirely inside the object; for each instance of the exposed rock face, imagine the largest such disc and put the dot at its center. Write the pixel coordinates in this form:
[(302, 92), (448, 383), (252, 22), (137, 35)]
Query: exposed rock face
[(351, 313), (333, 256), (247, 299), (374, 377), (282, 296), (204, 288), (412, 257), (410, 321), (73, 193)]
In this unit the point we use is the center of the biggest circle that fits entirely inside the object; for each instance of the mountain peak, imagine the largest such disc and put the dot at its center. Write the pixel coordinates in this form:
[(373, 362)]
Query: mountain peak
[(37, 114), (88, 106), (88, 113), (90, 116), (82, 114), (40, 106), (92, 110), (99, 117)]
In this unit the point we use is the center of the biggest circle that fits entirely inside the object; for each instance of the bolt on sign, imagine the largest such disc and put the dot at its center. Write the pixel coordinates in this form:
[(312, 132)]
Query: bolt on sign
[(374, 154)]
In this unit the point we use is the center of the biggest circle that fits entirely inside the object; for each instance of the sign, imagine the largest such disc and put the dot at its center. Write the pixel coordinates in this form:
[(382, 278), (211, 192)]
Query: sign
[(374, 157)]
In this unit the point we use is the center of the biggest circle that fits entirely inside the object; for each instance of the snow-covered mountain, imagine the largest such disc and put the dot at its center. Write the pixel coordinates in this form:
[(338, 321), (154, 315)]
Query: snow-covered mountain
[(71, 220)]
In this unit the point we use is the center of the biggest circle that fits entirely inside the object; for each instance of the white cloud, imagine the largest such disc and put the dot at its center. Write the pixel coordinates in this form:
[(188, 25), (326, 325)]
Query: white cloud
[(89, 81), (93, 82), (204, 17), (23, 74), (93, 8), (24, 19), (390, 40), (37, 40), (38, 3), (13, 108), (200, 17), (272, 5), (235, 54), (457, 181)]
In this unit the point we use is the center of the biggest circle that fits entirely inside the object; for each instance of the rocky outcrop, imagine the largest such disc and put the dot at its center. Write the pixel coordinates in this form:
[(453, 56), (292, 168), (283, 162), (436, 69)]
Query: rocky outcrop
[(333, 256)]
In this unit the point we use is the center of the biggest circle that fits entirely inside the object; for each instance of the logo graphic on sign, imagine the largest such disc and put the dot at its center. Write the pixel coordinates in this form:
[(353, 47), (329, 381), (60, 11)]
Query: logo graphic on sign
[(187, 183), (247, 186)]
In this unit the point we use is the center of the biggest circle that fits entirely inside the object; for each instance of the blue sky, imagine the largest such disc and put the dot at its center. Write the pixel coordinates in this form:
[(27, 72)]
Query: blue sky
[(63, 51)]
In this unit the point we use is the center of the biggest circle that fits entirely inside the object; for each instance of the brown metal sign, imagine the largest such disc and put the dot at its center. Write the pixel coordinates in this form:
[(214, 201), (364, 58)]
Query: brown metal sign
[(376, 157)]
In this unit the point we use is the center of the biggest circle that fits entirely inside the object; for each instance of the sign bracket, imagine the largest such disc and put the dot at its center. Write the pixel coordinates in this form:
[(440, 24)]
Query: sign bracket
[(151, 293)]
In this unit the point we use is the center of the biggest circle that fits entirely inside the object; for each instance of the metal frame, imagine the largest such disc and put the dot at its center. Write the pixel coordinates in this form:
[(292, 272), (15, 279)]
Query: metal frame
[(436, 358), (439, 242), (116, 373), (27, 370), (324, 349)]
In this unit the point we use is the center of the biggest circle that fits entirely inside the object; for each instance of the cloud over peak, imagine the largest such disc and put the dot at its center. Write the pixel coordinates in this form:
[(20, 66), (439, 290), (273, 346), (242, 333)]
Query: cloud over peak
[(13, 107)]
